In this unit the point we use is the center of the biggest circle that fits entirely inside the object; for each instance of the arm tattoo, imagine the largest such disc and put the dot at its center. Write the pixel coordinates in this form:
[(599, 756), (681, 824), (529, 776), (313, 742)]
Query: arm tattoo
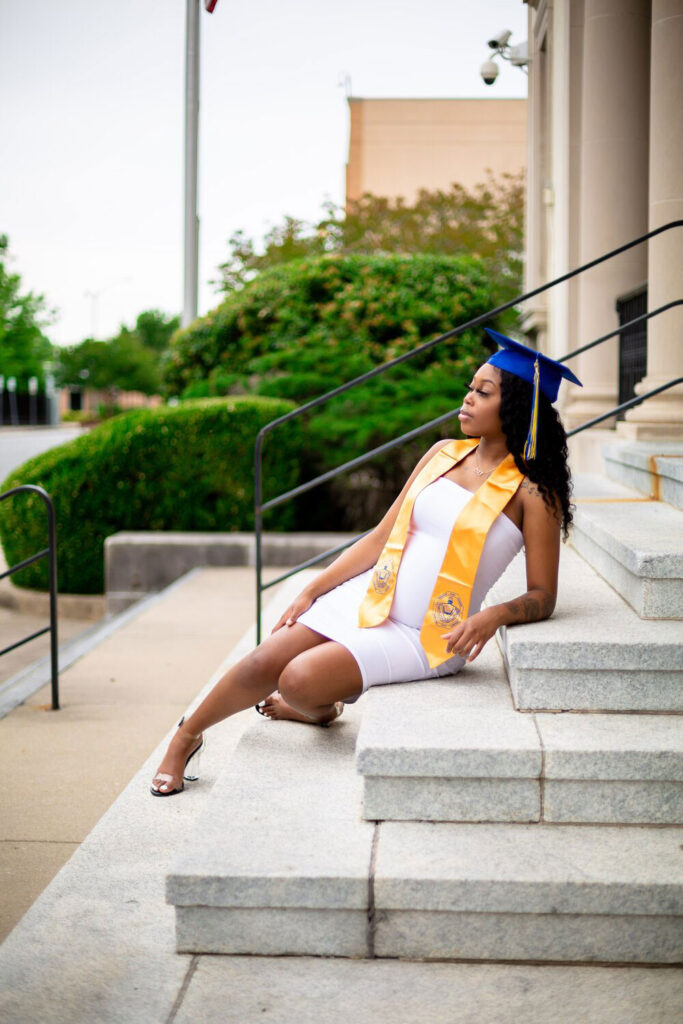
[(528, 486), (531, 609)]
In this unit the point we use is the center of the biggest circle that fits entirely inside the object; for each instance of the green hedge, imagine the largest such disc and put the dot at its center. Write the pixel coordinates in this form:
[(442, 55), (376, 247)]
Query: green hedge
[(188, 467)]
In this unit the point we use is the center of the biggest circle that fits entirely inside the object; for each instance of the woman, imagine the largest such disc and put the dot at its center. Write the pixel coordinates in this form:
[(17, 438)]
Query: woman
[(404, 601)]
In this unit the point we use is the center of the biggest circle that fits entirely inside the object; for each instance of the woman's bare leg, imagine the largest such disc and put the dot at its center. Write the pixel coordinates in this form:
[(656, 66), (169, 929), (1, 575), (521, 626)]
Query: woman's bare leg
[(314, 683), (242, 686)]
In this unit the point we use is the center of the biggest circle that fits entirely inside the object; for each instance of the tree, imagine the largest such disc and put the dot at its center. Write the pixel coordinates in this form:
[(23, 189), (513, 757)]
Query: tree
[(154, 329), (130, 361), (24, 348), (486, 222)]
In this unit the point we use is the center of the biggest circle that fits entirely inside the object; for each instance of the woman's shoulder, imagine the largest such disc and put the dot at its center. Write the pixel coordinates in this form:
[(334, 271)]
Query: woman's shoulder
[(535, 503)]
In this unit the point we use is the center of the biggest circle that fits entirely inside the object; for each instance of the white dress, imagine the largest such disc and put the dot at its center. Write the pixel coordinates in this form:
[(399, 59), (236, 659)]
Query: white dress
[(391, 652)]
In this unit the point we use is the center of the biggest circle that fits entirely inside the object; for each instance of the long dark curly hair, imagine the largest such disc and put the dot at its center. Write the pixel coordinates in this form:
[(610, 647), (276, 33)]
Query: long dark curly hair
[(549, 470)]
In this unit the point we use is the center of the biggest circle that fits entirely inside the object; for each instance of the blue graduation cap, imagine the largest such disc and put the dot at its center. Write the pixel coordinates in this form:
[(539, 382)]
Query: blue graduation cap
[(540, 371)]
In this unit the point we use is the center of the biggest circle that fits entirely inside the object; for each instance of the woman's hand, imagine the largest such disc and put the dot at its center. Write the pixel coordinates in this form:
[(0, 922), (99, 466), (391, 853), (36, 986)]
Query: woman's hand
[(469, 637), (298, 606)]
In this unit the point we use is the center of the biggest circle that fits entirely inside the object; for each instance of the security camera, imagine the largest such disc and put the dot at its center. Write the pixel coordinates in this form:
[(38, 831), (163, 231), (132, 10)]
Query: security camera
[(501, 40), (519, 55), (489, 71)]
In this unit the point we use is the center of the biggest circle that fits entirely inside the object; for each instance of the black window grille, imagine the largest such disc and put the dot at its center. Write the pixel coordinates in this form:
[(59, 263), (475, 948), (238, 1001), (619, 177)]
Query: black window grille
[(632, 344)]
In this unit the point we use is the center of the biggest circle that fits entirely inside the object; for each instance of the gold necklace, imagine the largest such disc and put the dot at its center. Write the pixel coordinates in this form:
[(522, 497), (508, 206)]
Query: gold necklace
[(477, 469)]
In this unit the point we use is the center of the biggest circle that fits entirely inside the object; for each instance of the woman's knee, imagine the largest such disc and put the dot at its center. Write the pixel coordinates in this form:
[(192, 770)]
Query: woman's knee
[(258, 667), (296, 684)]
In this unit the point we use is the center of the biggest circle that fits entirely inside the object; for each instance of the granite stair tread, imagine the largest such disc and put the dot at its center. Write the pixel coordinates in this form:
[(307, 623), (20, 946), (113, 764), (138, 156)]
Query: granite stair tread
[(598, 487), (595, 653), (649, 543), (654, 468), (563, 869), (454, 750), (286, 781), (637, 549)]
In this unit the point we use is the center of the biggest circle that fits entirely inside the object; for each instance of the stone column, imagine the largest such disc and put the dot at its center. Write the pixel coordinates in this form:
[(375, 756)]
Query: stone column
[(614, 167), (662, 416)]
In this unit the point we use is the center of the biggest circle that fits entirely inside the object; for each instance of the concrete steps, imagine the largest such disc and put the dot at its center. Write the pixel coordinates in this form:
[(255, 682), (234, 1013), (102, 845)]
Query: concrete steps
[(281, 857), (639, 553), (633, 541), (532, 892), (456, 750), (282, 863), (654, 468), (476, 822), (594, 654)]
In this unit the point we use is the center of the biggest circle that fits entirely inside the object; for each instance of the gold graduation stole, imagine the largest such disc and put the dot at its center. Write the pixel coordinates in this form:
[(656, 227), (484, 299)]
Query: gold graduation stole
[(452, 591)]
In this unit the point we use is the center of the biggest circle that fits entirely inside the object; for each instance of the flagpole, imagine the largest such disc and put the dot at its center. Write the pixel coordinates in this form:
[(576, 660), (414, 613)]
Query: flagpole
[(191, 221)]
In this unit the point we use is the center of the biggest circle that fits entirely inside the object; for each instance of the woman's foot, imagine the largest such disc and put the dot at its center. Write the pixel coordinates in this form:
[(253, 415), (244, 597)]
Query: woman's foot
[(169, 777), (275, 707)]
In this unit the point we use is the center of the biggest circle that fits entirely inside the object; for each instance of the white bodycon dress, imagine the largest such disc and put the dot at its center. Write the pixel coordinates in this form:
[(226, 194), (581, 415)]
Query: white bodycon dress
[(391, 652)]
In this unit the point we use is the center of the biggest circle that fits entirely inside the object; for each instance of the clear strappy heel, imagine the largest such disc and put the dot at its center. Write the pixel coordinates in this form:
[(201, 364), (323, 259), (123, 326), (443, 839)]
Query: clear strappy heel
[(189, 774)]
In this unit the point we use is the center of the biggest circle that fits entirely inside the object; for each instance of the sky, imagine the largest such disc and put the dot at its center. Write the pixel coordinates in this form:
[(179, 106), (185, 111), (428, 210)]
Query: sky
[(92, 129)]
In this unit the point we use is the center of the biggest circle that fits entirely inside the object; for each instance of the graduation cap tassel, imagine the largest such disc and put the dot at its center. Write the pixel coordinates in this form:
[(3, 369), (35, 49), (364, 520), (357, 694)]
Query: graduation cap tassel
[(530, 444)]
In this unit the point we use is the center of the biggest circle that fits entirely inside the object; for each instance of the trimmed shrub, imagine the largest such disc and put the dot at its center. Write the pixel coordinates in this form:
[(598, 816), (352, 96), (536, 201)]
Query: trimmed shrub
[(301, 328), (188, 467)]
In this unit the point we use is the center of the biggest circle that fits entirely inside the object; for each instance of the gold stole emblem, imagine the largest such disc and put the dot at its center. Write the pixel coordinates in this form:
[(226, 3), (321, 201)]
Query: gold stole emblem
[(452, 591)]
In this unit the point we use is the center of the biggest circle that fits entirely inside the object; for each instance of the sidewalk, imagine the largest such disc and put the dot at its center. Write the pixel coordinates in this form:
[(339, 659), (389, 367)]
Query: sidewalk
[(63, 769), (98, 944)]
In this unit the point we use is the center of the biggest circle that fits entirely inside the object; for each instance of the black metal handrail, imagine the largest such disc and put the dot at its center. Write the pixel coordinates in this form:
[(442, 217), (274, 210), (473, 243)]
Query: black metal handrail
[(625, 405), (50, 552), (260, 506)]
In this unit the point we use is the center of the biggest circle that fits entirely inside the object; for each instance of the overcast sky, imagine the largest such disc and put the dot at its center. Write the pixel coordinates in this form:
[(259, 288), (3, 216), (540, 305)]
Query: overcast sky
[(92, 114)]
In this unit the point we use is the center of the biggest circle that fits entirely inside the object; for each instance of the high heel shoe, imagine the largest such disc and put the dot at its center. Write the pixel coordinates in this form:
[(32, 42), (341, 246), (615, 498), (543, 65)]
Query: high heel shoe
[(164, 778)]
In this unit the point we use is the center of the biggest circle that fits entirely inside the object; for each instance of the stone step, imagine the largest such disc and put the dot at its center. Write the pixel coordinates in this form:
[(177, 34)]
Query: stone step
[(594, 653), (655, 468), (281, 862), (455, 750), (537, 892), (280, 859), (638, 549), (589, 487)]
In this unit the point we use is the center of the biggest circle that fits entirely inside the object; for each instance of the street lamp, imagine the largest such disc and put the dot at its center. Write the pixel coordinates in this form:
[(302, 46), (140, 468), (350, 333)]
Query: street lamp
[(191, 258)]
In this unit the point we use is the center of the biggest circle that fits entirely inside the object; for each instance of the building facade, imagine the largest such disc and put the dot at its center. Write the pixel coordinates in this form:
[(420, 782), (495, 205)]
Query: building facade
[(605, 165), (398, 146)]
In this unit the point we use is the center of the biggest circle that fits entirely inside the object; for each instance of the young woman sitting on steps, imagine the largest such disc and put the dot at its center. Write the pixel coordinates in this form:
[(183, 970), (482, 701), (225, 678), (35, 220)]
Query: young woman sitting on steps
[(403, 602)]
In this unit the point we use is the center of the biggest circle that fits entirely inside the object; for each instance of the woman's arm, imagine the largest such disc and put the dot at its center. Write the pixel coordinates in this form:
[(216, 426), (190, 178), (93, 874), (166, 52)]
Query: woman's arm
[(358, 557), (541, 531)]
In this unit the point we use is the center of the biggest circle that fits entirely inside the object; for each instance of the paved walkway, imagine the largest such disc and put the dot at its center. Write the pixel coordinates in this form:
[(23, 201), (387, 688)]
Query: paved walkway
[(98, 944), (63, 769)]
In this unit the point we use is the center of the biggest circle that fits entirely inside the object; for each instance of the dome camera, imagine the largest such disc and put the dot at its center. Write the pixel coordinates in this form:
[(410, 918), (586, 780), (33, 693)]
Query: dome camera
[(497, 42), (489, 71)]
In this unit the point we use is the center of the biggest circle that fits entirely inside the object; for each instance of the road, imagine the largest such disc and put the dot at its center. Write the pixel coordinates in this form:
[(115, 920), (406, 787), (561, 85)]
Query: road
[(17, 444)]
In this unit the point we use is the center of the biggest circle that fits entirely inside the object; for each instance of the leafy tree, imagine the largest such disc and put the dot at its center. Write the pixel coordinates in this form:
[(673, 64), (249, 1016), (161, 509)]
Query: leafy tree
[(122, 363), (154, 329), (24, 348), (486, 222), (130, 361)]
